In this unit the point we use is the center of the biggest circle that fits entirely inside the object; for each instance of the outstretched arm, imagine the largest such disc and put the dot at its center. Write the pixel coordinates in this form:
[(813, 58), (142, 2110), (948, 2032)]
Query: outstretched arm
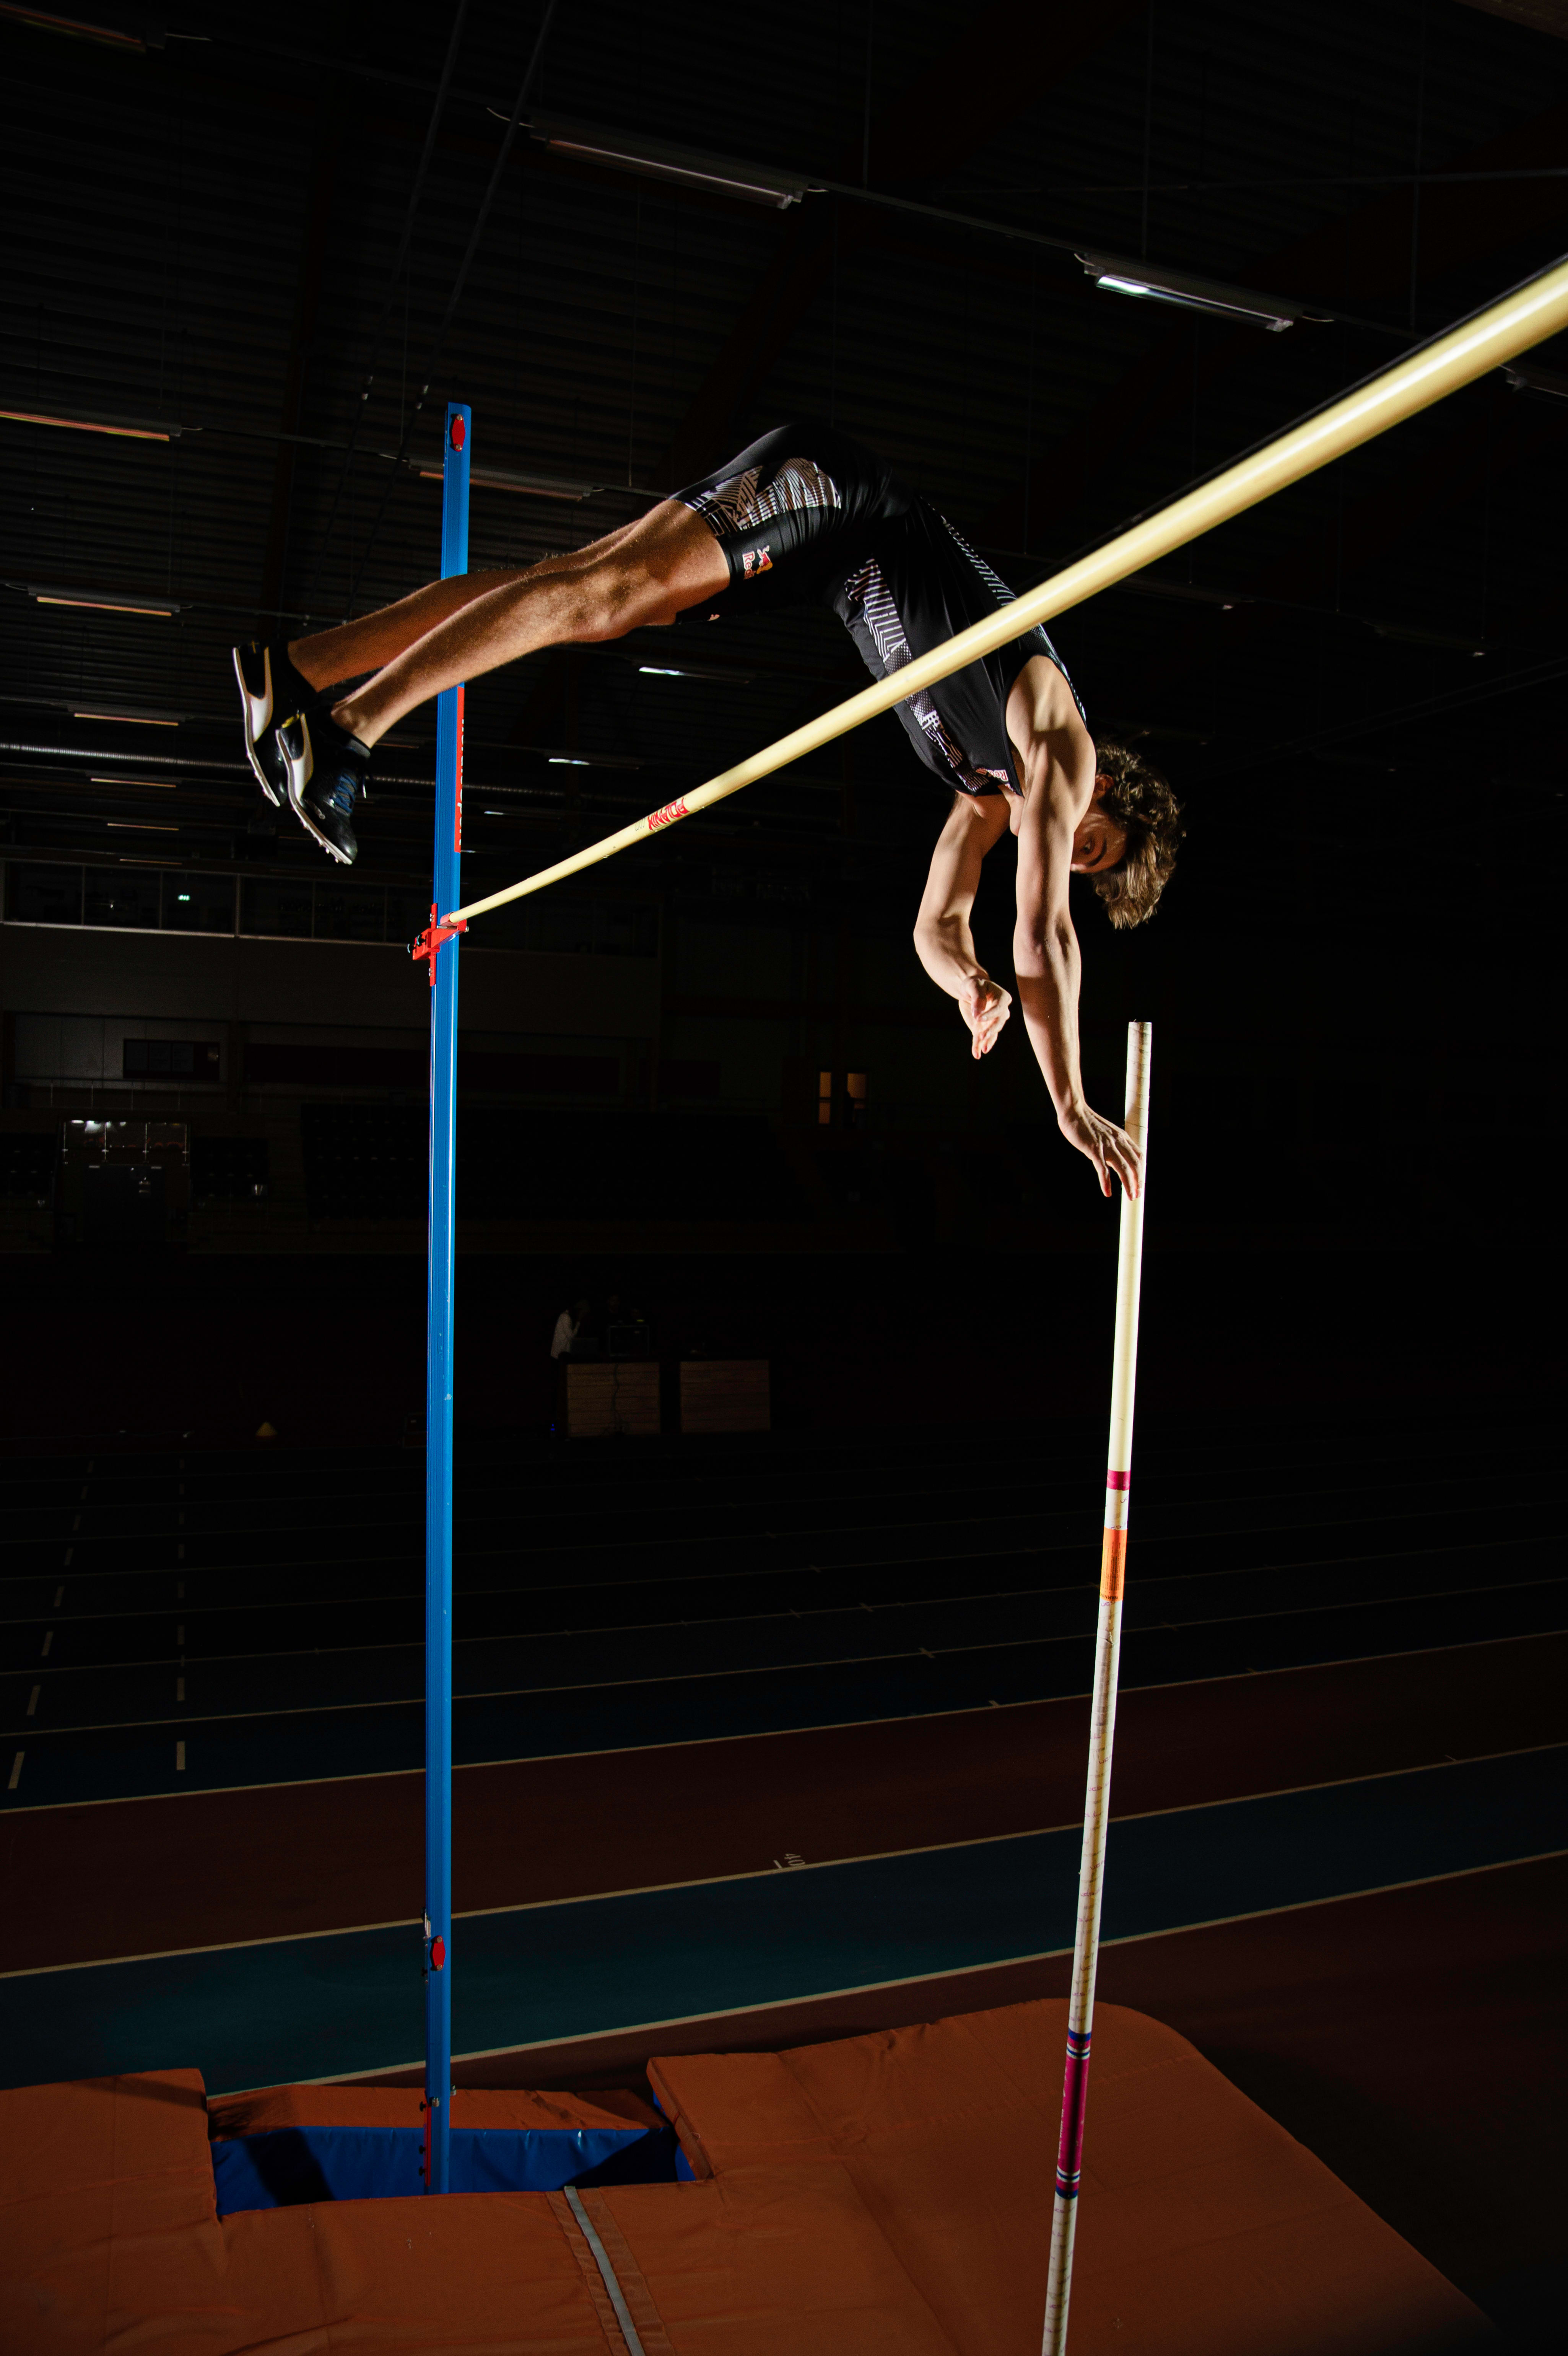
[(942, 939), (1059, 774)]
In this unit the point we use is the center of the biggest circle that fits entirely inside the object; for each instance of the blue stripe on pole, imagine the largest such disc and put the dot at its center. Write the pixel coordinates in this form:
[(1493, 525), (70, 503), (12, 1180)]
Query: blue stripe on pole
[(438, 1381)]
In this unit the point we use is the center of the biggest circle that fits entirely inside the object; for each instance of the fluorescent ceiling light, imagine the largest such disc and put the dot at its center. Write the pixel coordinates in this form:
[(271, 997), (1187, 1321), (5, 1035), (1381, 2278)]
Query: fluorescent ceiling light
[(1158, 284), (107, 601), (1534, 379), (76, 28), (720, 672), (581, 760), (564, 761), (90, 421), (1405, 634), (132, 719), (657, 159), (503, 479)]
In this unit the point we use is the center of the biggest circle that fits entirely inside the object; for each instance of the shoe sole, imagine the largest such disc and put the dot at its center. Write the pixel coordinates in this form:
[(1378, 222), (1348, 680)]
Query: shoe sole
[(331, 849), (299, 767), (258, 714)]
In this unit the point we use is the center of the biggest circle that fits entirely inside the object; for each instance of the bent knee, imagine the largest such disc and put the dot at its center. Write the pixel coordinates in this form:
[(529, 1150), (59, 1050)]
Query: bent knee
[(624, 594)]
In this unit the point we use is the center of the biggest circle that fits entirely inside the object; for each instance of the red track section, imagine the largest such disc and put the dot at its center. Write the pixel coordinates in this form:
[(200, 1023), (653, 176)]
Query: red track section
[(146, 1876)]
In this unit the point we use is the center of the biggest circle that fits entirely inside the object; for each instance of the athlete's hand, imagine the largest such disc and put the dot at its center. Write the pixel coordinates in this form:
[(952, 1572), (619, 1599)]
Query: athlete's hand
[(1110, 1148), (985, 1006)]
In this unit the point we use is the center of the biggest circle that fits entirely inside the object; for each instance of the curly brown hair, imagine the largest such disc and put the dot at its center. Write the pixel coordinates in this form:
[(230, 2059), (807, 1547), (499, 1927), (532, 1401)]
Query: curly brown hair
[(1141, 801)]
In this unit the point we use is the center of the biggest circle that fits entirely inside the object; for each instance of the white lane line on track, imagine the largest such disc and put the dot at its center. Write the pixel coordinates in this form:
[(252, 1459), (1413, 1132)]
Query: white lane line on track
[(1081, 1541), (871, 1988), (782, 1733), (815, 1865), (806, 1663), (1033, 1509), (1544, 1539)]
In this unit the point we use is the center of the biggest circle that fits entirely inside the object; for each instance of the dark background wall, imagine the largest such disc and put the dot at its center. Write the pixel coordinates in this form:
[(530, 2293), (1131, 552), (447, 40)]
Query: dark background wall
[(1354, 688)]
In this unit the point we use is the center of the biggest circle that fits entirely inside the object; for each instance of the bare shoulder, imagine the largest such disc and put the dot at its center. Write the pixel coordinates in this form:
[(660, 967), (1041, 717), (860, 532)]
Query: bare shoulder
[(1042, 706)]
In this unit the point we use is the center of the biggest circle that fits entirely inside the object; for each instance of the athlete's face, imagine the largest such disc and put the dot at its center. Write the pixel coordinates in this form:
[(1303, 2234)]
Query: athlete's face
[(1098, 842)]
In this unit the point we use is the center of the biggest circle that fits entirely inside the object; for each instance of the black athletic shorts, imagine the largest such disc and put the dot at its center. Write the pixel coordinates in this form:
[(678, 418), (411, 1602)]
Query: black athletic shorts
[(808, 514)]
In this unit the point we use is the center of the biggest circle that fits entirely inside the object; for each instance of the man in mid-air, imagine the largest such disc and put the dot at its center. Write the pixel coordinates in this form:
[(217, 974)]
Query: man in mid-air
[(804, 513)]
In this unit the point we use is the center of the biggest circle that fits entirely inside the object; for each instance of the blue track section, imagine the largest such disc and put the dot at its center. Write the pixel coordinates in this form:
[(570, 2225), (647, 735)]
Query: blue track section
[(935, 1658), (351, 2002)]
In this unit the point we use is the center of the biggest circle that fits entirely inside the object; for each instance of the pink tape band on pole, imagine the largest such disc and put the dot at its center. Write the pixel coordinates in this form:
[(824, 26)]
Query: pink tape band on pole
[(1074, 2102)]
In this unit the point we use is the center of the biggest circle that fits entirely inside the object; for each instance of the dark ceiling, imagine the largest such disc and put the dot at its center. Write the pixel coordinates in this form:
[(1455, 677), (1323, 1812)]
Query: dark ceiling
[(207, 216)]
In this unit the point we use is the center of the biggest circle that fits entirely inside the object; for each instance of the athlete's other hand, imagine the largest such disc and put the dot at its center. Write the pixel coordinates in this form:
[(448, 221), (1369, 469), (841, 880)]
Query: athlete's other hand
[(985, 1006), (1110, 1148)]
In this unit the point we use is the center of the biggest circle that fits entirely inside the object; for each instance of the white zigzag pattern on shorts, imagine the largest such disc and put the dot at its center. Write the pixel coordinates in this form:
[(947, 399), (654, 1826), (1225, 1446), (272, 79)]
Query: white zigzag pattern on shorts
[(739, 503)]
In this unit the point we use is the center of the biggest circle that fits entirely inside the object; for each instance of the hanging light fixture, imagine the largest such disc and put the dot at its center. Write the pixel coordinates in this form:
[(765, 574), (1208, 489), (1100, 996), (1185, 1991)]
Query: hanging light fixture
[(1156, 284), (1523, 378), (93, 421), (657, 159), (504, 478), (106, 601)]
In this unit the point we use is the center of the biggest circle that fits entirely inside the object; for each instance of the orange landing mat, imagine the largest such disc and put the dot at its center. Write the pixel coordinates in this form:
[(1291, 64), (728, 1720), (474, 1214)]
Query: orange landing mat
[(880, 2194)]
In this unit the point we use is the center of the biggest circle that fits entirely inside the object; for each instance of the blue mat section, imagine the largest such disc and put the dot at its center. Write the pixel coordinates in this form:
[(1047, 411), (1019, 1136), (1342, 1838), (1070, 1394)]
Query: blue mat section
[(288, 2166), (305, 2009)]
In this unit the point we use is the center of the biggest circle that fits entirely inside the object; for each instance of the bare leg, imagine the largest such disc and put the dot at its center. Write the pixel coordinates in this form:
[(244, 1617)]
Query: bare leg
[(645, 574), (379, 638)]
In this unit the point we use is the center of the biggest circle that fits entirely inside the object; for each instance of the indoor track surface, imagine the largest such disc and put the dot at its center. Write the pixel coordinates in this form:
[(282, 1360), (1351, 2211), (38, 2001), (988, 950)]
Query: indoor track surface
[(761, 1738)]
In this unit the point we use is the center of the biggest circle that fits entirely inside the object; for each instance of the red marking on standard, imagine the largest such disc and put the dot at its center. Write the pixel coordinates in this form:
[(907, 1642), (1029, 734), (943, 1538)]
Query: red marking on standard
[(1112, 1566), (1118, 1480), (665, 817), (437, 1954), (459, 434), (434, 939)]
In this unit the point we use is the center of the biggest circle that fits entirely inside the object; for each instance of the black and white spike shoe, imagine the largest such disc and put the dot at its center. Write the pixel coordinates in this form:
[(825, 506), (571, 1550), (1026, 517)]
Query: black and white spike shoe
[(325, 770), (269, 687)]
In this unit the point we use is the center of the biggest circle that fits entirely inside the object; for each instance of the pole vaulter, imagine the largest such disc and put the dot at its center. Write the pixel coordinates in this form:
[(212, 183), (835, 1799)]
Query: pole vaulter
[(284, 754), (1520, 319)]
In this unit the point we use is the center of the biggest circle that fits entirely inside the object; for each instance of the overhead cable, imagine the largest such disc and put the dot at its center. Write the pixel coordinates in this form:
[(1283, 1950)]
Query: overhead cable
[(415, 193), (462, 280)]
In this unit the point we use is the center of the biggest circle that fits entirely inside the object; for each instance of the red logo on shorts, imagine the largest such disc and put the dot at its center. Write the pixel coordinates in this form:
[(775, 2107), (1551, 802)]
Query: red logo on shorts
[(665, 817), (755, 560)]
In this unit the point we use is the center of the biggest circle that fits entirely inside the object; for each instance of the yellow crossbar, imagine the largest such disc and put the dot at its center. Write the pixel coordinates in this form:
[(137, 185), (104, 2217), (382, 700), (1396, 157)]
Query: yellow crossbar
[(1524, 317)]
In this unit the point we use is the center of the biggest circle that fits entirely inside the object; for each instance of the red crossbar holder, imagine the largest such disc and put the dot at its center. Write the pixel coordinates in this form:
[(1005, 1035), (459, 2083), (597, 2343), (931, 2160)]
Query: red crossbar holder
[(434, 939)]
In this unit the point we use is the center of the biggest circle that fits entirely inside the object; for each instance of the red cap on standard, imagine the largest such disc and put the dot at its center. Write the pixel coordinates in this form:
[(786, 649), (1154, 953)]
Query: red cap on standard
[(459, 433)]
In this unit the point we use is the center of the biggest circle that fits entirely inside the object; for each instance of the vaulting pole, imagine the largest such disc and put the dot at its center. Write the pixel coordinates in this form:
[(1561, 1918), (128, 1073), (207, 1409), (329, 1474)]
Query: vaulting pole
[(1103, 1709), (1499, 333), (438, 1365)]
